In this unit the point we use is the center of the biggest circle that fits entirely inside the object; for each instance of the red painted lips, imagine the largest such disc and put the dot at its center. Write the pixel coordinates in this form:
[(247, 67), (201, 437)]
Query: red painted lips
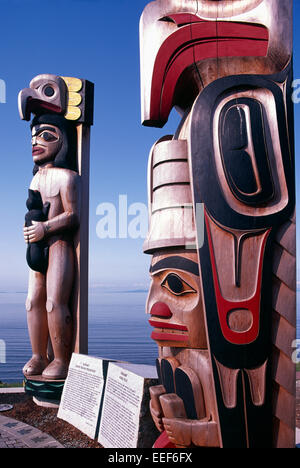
[(166, 330), (37, 150)]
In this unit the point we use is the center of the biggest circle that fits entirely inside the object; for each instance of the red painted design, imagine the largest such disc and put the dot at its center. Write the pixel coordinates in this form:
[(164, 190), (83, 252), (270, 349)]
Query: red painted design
[(225, 307), (160, 309), (195, 42), (172, 326), (163, 442), (160, 336), (35, 104)]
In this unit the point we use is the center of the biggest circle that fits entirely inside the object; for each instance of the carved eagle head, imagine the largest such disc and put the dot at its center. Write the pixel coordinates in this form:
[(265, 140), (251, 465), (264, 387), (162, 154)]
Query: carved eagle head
[(185, 45), (66, 96)]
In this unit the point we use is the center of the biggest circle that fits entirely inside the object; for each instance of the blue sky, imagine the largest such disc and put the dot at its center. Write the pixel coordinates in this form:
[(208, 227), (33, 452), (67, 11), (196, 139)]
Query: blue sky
[(97, 40)]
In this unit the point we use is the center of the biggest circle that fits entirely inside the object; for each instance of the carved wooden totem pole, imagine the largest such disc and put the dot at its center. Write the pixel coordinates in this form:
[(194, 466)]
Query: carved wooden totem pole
[(56, 225), (224, 311)]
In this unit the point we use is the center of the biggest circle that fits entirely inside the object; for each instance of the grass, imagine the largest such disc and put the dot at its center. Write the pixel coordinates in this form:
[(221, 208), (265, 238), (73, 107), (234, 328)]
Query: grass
[(11, 385), (298, 367)]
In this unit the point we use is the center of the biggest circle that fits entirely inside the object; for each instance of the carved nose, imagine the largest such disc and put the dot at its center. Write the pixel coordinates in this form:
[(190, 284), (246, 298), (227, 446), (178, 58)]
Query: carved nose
[(161, 310)]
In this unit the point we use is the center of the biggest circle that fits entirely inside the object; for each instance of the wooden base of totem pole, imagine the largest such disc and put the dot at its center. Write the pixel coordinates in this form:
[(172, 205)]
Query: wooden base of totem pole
[(46, 393)]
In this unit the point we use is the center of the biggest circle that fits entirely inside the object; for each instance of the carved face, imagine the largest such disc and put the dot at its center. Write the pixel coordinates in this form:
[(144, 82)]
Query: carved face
[(175, 302), (46, 143)]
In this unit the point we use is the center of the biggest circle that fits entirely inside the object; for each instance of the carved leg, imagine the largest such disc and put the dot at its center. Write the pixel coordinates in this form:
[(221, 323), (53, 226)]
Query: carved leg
[(59, 286), (37, 324)]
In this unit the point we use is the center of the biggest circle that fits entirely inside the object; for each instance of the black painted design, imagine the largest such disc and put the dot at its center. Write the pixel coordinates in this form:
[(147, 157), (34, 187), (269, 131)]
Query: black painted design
[(51, 390), (176, 263), (207, 188), (239, 173), (49, 91), (174, 283), (234, 139), (66, 156), (178, 382), (184, 390), (37, 252), (160, 380), (167, 376)]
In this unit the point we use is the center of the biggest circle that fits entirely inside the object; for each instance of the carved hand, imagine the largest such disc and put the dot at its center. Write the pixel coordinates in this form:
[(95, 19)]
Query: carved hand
[(185, 432), (179, 431), (34, 233), (155, 406), (157, 417)]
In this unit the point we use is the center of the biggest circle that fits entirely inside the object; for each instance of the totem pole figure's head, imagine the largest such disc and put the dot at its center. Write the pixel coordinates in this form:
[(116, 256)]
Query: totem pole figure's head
[(174, 300), (59, 104), (185, 45), (46, 143), (53, 141), (71, 98)]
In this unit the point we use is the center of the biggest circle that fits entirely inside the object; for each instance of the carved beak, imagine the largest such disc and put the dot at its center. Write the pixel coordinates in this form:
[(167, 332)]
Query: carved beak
[(24, 98), (171, 63), (46, 93), (29, 101), (184, 45)]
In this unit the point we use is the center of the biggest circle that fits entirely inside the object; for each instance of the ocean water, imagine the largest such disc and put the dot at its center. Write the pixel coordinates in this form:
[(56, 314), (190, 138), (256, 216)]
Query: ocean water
[(118, 329)]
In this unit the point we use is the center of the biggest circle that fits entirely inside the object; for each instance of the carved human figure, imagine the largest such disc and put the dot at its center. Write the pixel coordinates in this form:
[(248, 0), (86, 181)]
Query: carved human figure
[(182, 406), (57, 182)]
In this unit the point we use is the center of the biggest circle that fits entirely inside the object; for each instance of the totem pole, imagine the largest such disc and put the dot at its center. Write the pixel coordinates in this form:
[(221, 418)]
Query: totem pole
[(56, 224), (222, 221)]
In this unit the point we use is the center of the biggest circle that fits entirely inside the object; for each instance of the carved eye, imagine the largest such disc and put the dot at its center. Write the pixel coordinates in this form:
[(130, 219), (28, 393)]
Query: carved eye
[(49, 91), (47, 136), (175, 285)]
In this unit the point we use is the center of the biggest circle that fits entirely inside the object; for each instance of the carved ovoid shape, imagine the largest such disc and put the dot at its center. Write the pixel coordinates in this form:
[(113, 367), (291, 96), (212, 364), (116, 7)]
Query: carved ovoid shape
[(240, 320), (244, 151)]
